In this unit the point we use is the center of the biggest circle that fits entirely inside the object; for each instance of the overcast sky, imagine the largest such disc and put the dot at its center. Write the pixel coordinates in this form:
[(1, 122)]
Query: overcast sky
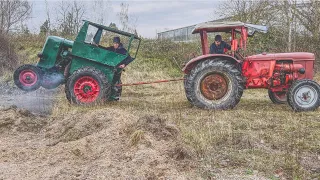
[(151, 16)]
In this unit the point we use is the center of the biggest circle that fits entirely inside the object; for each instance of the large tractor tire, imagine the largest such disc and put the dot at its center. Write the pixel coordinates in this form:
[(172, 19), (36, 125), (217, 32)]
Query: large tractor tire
[(277, 97), (214, 84), (28, 77), (304, 95), (87, 86), (185, 84)]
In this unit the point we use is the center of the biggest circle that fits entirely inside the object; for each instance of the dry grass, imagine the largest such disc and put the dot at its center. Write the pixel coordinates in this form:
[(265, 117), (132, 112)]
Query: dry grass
[(136, 137), (257, 135)]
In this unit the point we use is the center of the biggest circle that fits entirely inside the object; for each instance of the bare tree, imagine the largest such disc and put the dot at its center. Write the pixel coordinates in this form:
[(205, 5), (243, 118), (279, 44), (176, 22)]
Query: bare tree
[(259, 11), (48, 19), (69, 16), (127, 22), (308, 13), (13, 12), (124, 16), (100, 11), (78, 10)]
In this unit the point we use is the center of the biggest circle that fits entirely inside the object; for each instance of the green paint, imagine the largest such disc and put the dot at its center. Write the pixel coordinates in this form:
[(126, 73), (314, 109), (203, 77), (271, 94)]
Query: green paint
[(58, 52), (51, 50)]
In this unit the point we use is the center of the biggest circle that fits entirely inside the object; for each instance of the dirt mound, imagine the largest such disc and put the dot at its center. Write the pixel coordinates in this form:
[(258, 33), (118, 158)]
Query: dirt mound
[(76, 126), (150, 129), (20, 120), (158, 127), (157, 149), (92, 144)]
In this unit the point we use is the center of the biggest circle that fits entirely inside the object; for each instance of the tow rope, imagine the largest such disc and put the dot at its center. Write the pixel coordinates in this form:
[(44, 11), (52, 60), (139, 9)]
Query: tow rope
[(150, 82)]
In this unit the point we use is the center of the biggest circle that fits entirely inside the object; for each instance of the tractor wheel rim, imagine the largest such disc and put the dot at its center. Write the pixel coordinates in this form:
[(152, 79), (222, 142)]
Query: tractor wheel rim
[(86, 89), (306, 96), (28, 78), (214, 86), (281, 96)]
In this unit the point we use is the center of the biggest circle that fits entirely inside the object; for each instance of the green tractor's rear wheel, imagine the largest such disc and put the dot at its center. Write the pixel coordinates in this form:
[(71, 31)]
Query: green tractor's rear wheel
[(27, 77), (87, 86), (304, 95), (214, 84), (278, 97)]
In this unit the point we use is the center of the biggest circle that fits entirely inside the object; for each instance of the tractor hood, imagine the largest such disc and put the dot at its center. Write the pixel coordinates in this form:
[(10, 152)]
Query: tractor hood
[(65, 42), (283, 56)]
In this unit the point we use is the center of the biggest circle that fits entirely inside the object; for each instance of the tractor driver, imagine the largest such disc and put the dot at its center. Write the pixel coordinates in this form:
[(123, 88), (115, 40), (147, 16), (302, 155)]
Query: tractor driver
[(118, 48), (218, 46)]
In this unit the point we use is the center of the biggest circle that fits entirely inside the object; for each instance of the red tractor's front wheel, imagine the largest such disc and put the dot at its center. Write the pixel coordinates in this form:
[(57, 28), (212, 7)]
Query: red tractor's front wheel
[(304, 95), (27, 77), (278, 97), (87, 86)]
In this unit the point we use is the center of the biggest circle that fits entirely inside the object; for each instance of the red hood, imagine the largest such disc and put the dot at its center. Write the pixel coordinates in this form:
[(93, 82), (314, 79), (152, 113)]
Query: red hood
[(283, 56)]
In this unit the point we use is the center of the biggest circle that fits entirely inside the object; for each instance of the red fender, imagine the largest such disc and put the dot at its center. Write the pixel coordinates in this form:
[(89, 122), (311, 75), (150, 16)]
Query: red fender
[(193, 62)]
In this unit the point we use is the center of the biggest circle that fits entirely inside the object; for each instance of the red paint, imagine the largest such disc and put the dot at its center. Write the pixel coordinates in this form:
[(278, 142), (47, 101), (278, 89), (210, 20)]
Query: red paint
[(204, 42), (273, 71), (28, 78), (86, 89), (270, 70)]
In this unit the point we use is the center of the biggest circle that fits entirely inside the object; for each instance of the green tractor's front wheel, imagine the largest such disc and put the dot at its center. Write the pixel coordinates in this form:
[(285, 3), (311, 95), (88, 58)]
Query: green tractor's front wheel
[(87, 86), (28, 77)]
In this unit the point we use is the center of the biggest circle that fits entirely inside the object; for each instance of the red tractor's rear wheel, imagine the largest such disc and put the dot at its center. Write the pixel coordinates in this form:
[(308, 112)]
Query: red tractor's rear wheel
[(214, 84), (87, 86), (278, 97), (27, 77)]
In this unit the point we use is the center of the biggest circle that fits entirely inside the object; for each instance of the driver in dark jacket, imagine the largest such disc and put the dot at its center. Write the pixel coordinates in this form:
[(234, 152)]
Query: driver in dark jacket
[(118, 48), (218, 46)]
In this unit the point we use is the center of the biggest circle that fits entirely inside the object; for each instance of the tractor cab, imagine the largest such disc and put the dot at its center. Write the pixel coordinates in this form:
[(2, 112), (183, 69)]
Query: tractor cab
[(93, 41), (239, 34)]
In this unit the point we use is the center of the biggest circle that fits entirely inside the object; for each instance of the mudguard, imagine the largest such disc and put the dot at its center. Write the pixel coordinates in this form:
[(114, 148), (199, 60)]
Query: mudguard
[(193, 62)]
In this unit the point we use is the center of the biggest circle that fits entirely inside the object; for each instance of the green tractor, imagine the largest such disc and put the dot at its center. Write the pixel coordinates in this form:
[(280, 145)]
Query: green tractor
[(89, 70)]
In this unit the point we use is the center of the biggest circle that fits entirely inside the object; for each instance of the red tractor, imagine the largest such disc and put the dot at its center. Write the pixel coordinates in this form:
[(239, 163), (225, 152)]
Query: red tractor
[(217, 81)]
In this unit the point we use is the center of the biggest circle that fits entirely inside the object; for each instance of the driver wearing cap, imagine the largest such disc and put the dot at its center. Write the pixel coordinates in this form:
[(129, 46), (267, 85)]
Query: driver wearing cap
[(218, 46)]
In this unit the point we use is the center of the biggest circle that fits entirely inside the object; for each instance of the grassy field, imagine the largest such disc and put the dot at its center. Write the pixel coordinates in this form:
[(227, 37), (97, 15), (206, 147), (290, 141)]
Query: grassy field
[(256, 136)]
